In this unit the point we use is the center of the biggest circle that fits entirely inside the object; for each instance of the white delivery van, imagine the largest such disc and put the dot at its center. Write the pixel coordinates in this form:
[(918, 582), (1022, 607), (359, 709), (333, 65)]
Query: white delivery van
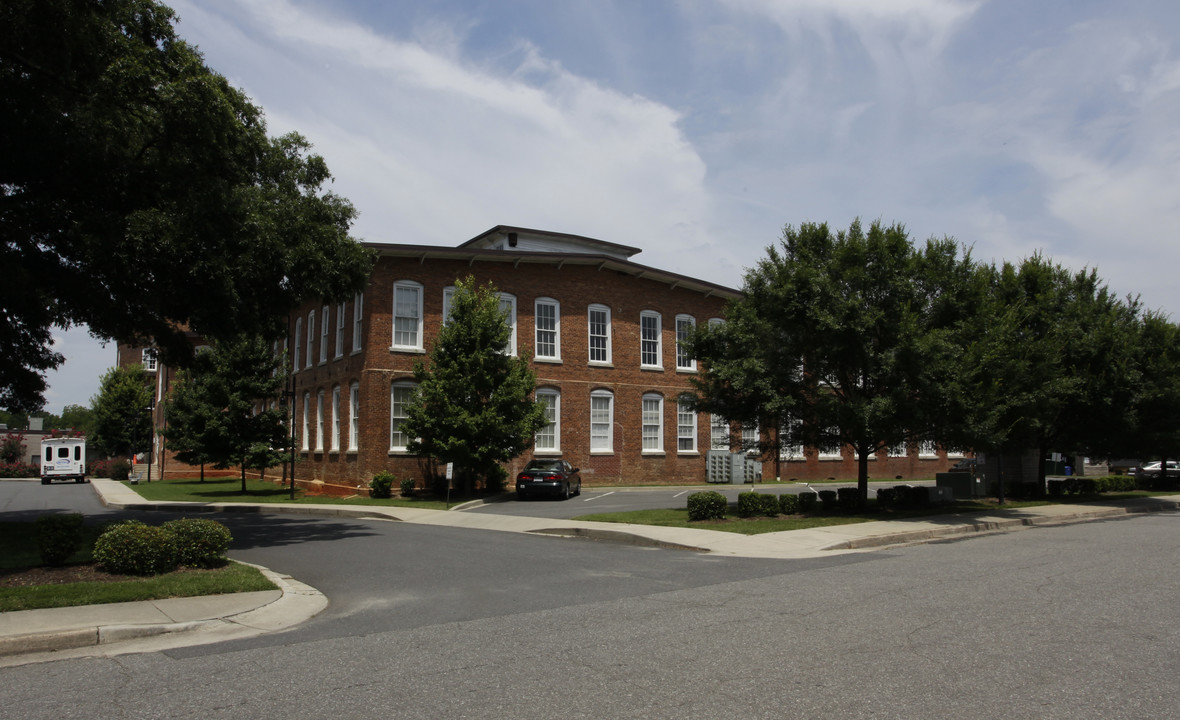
[(63, 458)]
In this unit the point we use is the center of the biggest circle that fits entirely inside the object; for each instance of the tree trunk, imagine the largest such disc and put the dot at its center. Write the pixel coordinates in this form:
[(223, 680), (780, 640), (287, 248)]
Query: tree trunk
[(243, 476), (862, 476)]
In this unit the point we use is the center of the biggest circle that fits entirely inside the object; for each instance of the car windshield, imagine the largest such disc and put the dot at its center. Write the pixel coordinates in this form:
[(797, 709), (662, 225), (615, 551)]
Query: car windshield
[(543, 465)]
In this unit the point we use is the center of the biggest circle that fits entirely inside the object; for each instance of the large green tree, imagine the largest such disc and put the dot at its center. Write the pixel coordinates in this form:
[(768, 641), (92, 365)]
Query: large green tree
[(838, 340), (123, 412), (224, 410), (140, 194), (473, 405)]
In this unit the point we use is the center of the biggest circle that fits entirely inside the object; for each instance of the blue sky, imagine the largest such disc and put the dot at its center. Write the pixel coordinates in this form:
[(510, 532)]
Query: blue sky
[(697, 129)]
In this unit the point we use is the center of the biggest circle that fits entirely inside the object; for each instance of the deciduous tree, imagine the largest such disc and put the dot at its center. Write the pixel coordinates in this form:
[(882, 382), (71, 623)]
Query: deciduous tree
[(123, 412)]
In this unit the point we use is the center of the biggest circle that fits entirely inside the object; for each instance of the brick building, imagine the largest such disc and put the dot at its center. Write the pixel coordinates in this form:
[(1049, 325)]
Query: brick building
[(599, 331)]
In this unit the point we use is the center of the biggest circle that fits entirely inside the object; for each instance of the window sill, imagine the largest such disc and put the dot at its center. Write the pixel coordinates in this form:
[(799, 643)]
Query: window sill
[(652, 368), (602, 452), (355, 351), (407, 350), (547, 360), (547, 452), (652, 453), (595, 363), (401, 452), (687, 371), (688, 453)]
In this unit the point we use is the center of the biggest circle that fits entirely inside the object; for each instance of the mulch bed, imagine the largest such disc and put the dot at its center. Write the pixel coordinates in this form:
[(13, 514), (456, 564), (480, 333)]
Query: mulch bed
[(58, 575)]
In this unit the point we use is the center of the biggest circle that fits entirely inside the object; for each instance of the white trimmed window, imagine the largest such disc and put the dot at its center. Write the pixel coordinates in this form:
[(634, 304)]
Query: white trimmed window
[(358, 312), (340, 315), (750, 436), (325, 322), (306, 413), (650, 355), (599, 328), (602, 421), (793, 450), (549, 437), (310, 339), (298, 337), (149, 359), (508, 307), (407, 315), (335, 444), (684, 326), (354, 415), (686, 426), (319, 421), (718, 433), (448, 297), (927, 449), (547, 317), (830, 448), (653, 423), (401, 394)]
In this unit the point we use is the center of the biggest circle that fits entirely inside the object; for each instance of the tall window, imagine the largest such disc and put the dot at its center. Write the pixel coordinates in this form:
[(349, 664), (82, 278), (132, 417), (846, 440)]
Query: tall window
[(354, 415), (602, 420), (829, 443), (340, 329), (325, 322), (407, 315), (789, 446), (508, 307), (547, 316), (927, 448), (649, 339), (718, 433), (358, 311), (306, 411), (335, 445), (549, 437), (653, 423), (319, 421), (400, 395), (298, 337), (686, 426), (148, 359), (310, 338), (599, 324), (750, 437), (448, 298), (684, 326)]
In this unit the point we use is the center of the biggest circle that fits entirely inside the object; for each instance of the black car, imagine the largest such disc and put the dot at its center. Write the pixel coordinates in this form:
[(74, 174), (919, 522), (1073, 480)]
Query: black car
[(548, 477)]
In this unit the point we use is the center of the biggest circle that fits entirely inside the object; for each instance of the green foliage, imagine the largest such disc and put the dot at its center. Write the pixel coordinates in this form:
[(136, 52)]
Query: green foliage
[(59, 537), (751, 504), (143, 197), (111, 469), (886, 497), (19, 470), (200, 542), (381, 486), (829, 498), (12, 447), (839, 339), (122, 412), (133, 548), (212, 411), (706, 505), (407, 487), (473, 405), (808, 501), (788, 504), (848, 499)]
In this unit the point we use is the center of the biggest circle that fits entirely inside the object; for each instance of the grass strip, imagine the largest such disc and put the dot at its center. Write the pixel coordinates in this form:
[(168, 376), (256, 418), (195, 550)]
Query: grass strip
[(232, 578)]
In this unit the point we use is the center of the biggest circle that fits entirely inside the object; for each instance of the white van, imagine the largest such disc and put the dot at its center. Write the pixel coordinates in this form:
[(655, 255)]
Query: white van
[(64, 459)]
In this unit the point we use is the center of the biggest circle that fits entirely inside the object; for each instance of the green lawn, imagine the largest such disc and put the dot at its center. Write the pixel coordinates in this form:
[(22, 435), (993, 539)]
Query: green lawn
[(19, 551), (263, 491)]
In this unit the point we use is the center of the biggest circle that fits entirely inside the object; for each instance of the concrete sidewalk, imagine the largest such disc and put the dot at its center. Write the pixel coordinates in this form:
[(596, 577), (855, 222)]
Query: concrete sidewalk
[(40, 635)]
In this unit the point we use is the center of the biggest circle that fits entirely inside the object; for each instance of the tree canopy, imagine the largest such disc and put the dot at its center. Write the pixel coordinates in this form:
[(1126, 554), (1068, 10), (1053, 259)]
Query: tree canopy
[(837, 340), (222, 410), (123, 412), (140, 194), (473, 404)]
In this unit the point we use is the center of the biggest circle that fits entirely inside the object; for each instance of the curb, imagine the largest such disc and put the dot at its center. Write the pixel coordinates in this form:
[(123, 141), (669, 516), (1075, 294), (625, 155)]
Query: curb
[(307, 602)]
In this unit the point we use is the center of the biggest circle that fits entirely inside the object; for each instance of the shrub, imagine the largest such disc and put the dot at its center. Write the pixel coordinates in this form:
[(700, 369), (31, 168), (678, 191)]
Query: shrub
[(886, 497), (749, 504), (707, 505), (768, 504), (903, 495), (59, 537), (1056, 488), (920, 495), (807, 501), (496, 479), (848, 498), (110, 469), (200, 542), (132, 548), (828, 498), (19, 470), (788, 504), (381, 486), (407, 487)]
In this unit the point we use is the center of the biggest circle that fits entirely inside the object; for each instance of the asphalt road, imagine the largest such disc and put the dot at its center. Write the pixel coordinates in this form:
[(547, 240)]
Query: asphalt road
[(1078, 621)]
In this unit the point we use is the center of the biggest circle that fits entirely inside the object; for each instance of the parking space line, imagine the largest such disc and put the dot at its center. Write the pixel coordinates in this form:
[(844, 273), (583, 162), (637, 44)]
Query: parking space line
[(680, 493), (612, 492)]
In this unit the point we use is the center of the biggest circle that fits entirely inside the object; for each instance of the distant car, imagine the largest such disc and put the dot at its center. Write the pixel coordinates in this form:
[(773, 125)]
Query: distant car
[(965, 465), (548, 477), (1152, 470)]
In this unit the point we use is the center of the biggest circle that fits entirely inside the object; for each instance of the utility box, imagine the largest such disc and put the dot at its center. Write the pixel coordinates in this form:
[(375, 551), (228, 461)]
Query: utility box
[(717, 466), (962, 485)]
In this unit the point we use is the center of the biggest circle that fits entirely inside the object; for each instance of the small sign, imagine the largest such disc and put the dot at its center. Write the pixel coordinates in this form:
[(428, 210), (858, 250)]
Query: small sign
[(450, 471)]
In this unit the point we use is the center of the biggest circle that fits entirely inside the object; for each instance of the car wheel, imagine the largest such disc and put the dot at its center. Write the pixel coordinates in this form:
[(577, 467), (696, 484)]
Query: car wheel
[(44, 481), (565, 492), (579, 490)]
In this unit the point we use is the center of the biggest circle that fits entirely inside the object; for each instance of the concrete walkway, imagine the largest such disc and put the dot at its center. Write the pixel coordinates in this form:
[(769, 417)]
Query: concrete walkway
[(40, 635)]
